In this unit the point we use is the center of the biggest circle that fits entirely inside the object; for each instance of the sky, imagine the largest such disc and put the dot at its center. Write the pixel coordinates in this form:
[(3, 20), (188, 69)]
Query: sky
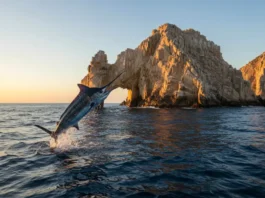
[(46, 46)]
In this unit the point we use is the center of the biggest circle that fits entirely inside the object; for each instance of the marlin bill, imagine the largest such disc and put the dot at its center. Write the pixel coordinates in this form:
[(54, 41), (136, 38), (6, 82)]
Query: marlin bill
[(87, 99)]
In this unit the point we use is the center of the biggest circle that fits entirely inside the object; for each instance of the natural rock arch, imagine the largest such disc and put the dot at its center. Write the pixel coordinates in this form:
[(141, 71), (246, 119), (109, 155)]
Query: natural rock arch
[(173, 68), (254, 72)]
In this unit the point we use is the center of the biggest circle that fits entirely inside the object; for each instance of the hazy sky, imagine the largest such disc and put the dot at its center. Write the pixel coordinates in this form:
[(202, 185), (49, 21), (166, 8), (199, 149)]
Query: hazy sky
[(46, 46)]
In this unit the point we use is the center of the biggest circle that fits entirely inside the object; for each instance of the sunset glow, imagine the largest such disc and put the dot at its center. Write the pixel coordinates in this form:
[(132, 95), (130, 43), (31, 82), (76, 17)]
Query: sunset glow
[(46, 46)]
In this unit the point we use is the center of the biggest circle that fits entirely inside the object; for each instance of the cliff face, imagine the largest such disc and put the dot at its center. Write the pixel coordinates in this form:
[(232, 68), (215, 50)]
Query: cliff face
[(254, 72), (173, 68)]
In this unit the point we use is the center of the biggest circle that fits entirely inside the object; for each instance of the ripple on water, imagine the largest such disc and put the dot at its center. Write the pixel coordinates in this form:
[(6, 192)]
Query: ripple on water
[(121, 152)]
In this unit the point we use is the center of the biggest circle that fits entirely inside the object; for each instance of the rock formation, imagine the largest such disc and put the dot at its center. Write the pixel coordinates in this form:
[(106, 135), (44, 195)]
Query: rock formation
[(173, 68), (254, 72)]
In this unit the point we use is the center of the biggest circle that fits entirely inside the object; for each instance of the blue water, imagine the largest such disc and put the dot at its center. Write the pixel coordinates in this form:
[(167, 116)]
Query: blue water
[(123, 152)]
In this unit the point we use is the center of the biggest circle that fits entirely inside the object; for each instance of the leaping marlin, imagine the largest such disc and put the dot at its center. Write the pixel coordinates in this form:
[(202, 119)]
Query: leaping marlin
[(87, 99)]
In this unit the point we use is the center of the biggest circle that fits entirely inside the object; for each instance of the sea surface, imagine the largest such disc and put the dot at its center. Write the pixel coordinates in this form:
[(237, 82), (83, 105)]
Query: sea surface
[(133, 152)]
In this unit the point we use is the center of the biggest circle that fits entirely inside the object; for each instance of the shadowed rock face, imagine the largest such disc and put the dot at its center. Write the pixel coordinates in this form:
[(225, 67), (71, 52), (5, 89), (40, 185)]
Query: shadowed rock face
[(254, 72), (173, 68)]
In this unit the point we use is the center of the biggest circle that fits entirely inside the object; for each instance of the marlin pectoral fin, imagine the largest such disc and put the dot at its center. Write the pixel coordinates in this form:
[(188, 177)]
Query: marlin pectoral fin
[(44, 129), (76, 126), (89, 91), (92, 105)]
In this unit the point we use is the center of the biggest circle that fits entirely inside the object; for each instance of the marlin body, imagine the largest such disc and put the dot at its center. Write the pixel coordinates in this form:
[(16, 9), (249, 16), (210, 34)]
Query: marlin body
[(87, 99)]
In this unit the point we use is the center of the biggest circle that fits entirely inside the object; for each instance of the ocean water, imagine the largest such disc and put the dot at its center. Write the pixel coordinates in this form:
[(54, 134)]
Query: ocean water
[(130, 152)]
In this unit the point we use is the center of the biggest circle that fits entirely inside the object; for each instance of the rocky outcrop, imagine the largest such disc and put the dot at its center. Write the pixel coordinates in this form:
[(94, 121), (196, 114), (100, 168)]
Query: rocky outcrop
[(254, 72), (173, 68)]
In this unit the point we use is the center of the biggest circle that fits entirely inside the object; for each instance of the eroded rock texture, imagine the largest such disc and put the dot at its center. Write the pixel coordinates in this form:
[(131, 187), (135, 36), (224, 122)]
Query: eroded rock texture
[(173, 68), (254, 72)]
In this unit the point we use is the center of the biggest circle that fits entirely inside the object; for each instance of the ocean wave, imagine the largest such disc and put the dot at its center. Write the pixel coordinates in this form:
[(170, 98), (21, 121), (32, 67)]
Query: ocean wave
[(119, 152), (146, 107)]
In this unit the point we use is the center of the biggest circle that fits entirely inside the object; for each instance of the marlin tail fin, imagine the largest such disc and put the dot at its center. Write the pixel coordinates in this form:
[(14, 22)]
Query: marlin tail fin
[(44, 129)]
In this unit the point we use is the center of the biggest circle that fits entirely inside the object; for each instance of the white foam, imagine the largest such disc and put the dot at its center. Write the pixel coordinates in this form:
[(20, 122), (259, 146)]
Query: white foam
[(65, 141), (118, 137), (147, 107)]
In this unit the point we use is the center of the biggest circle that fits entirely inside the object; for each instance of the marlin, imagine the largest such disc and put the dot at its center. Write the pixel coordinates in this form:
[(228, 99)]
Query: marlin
[(87, 99)]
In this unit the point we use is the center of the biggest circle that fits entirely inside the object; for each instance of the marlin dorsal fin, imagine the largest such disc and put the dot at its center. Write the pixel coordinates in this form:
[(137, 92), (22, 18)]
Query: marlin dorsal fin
[(83, 88), (89, 91)]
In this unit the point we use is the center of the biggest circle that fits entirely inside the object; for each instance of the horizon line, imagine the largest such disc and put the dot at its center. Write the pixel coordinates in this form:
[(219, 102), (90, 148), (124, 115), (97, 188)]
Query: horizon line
[(49, 103)]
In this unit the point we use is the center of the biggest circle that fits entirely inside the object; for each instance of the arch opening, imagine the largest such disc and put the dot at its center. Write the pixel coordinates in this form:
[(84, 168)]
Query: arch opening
[(117, 96)]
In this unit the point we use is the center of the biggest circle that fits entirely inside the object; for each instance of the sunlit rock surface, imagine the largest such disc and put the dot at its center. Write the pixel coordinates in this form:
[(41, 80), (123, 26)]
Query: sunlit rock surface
[(170, 68), (254, 72)]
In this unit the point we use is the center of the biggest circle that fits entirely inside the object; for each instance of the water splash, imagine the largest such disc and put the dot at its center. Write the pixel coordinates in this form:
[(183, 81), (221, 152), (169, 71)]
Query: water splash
[(65, 141)]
